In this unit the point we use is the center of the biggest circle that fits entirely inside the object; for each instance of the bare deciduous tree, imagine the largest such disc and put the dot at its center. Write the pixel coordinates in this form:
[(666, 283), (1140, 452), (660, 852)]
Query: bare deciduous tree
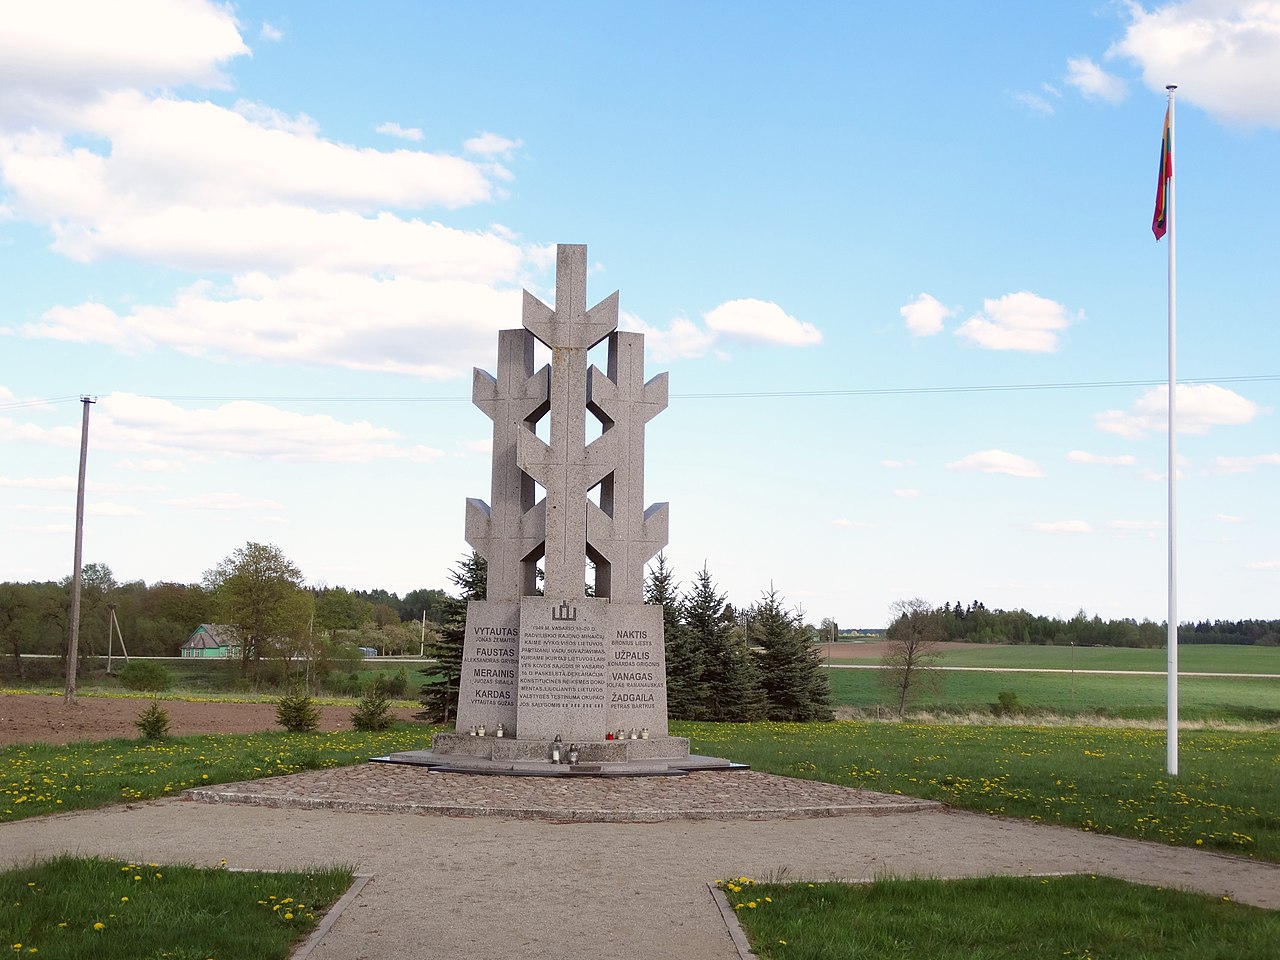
[(913, 639)]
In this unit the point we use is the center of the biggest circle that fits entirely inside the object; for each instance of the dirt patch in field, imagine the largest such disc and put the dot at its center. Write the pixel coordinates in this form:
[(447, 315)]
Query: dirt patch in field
[(31, 718)]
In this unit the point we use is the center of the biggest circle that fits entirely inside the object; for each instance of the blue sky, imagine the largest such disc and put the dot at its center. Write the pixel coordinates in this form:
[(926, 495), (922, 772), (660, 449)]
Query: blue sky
[(274, 238)]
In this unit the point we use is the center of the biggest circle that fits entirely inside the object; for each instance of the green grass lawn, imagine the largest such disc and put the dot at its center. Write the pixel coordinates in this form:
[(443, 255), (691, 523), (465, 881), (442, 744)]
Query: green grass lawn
[(997, 918), (1192, 658), (102, 909), (39, 779), (1106, 780), (1242, 699)]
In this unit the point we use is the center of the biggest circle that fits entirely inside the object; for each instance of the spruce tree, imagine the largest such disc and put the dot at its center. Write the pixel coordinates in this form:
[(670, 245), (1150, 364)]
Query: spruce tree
[(733, 690), (795, 683), (686, 690), (439, 694)]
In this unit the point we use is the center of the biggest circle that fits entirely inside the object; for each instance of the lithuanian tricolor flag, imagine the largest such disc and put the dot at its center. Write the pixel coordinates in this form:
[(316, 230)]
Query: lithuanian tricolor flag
[(1160, 221)]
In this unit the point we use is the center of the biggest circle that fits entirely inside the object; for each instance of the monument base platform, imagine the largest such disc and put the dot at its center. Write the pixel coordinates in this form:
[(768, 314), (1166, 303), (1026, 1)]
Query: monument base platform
[(462, 753)]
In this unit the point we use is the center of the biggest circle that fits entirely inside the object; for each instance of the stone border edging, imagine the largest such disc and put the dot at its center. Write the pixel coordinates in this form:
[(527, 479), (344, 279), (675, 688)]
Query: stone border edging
[(730, 918), (357, 884)]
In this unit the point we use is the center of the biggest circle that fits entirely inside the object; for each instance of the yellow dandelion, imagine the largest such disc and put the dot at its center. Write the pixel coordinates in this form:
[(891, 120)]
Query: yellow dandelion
[(124, 899), (288, 916), (99, 925)]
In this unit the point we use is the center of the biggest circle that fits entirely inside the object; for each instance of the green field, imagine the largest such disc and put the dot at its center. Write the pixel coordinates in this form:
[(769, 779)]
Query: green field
[(197, 676), (1101, 779), (1192, 658), (1134, 696), (997, 918), (120, 910)]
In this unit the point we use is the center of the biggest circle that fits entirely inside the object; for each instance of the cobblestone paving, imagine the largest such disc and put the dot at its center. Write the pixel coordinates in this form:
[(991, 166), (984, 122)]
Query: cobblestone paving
[(704, 795)]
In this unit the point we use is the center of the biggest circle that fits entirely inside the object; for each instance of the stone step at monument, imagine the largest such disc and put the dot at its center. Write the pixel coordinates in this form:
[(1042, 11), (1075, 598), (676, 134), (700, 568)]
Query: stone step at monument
[(462, 763), (599, 751)]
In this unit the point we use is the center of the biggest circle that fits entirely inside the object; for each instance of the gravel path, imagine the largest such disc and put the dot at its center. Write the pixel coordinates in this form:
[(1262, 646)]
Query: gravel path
[(473, 886)]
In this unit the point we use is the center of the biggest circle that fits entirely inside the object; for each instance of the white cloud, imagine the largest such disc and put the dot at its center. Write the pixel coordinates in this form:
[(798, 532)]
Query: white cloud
[(49, 528), (906, 493), (1035, 103), (258, 431), (39, 483), (1227, 518), (852, 524), (997, 461), (683, 340), (750, 320), (762, 321), (112, 510), (1018, 321), (1063, 526), (186, 182), (153, 465), (1136, 525), (270, 33), (492, 145), (56, 54), (436, 329), (897, 464), (1123, 460), (1223, 52), (95, 509), (1246, 464), (1200, 406), (395, 130), (224, 501), (1265, 565), (924, 315), (68, 484), (1093, 82)]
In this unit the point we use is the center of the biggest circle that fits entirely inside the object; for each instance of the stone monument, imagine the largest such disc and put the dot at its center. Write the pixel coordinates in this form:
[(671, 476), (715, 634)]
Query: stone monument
[(556, 663)]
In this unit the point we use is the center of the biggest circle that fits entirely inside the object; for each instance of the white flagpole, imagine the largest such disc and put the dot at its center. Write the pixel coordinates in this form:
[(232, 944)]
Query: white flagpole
[(1172, 641)]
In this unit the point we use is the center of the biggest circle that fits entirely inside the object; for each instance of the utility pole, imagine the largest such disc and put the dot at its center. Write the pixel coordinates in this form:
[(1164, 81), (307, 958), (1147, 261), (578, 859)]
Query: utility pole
[(73, 638)]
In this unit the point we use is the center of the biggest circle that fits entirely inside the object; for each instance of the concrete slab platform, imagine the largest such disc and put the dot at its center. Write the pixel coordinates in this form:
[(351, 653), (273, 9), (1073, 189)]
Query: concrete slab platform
[(700, 795)]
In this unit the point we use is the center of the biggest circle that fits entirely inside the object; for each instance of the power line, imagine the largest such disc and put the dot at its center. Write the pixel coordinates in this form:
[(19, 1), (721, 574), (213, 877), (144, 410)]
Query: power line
[(726, 395)]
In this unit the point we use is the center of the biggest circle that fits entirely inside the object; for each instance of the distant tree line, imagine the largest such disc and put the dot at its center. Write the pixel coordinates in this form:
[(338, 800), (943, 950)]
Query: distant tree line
[(722, 663), (256, 588), (975, 623)]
